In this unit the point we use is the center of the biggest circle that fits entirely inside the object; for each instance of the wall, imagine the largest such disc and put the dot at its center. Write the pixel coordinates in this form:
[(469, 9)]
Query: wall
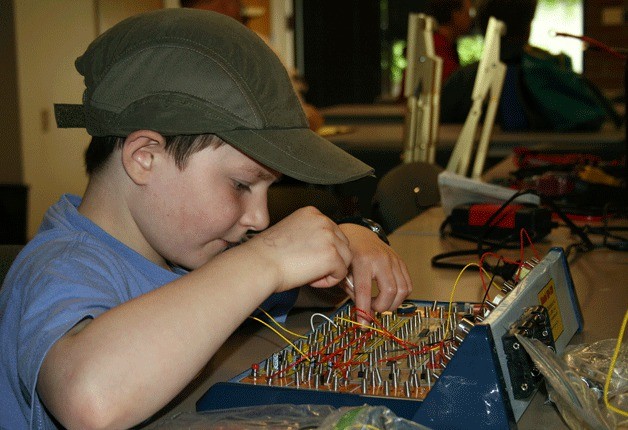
[(50, 35), (48, 41), (13, 194)]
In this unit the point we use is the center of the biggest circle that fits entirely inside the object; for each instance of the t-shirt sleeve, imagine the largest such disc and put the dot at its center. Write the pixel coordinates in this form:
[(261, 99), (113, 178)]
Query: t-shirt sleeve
[(61, 293)]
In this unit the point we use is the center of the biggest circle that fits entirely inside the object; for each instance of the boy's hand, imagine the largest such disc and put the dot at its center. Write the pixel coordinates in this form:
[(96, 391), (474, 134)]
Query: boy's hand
[(375, 260), (306, 248)]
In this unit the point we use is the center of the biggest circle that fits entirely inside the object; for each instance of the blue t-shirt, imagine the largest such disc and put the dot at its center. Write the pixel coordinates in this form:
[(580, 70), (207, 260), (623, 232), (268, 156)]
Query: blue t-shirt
[(71, 270)]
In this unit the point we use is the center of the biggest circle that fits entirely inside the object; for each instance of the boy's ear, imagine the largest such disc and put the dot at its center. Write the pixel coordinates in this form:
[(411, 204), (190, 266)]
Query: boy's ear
[(140, 152)]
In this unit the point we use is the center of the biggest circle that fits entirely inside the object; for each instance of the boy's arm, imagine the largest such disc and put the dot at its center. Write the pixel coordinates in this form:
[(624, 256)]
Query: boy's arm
[(120, 368)]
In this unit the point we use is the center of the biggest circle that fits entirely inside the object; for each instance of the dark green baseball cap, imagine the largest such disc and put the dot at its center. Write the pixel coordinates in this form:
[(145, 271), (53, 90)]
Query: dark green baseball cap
[(188, 71)]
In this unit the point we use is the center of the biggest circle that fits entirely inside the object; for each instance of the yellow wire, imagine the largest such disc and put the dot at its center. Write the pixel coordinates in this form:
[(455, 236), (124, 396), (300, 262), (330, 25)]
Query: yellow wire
[(281, 336), (280, 326), (607, 383), (360, 324), (453, 290)]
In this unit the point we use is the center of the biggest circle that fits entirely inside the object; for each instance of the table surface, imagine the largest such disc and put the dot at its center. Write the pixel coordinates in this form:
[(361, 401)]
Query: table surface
[(355, 113), (599, 280), (389, 137)]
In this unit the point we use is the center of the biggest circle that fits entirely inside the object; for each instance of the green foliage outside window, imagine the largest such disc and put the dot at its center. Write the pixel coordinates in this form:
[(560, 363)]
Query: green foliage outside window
[(470, 49), (398, 61)]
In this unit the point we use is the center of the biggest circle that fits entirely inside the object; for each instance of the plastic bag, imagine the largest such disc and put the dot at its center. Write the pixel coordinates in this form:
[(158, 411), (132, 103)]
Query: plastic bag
[(288, 417), (269, 417), (577, 395), (367, 418), (592, 362)]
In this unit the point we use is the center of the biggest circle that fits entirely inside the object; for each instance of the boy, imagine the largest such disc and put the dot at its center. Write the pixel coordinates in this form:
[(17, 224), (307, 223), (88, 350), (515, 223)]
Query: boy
[(124, 295)]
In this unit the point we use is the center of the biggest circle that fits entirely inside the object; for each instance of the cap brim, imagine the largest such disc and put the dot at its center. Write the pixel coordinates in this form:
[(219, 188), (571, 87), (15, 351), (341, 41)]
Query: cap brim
[(299, 153)]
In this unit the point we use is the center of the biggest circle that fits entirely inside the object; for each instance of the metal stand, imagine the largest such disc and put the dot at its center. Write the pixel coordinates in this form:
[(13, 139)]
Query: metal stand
[(488, 83), (422, 91)]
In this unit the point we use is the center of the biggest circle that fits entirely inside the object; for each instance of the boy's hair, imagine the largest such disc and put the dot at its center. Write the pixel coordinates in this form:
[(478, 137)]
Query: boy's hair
[(442, 10), (179, 147)]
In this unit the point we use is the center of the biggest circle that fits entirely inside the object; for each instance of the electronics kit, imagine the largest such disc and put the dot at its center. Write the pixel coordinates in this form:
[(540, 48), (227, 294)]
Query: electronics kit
[(441, 364)]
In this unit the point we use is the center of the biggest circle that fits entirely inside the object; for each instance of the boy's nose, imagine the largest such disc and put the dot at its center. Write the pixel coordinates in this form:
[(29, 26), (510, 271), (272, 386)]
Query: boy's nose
[(256, 216)]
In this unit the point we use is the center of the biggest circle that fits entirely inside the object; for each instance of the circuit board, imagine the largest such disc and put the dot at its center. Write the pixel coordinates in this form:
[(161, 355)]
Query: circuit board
[(399, 354)]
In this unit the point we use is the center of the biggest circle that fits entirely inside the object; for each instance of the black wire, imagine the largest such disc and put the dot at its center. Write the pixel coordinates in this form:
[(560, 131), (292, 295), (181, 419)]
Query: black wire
[(586, 244), (622, 243), (493, 246), (490, 226), (489, 285)]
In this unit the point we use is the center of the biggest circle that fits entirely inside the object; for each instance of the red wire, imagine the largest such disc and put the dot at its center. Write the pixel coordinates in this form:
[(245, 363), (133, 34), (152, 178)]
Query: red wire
[(411, 348), (499, 257), (595, 43)]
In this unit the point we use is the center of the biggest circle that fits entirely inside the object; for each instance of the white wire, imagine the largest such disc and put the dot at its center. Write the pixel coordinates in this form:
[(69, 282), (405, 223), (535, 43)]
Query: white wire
[(320, 315)]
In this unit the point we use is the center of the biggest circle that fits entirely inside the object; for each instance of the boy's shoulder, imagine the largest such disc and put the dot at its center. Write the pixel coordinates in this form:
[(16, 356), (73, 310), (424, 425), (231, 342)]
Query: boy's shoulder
[(70, 242)]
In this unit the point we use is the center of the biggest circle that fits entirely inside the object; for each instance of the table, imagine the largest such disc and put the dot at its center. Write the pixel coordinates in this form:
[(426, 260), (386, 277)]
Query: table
[(380, 145), (364, 113), (388, 137), (599, 275)]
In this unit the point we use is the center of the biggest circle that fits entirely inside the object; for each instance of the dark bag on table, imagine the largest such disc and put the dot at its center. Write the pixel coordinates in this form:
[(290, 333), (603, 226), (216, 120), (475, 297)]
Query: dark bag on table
[(560, 96)]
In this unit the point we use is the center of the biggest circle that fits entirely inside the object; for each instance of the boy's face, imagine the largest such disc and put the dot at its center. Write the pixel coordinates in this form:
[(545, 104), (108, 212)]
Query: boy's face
[(189, 216)]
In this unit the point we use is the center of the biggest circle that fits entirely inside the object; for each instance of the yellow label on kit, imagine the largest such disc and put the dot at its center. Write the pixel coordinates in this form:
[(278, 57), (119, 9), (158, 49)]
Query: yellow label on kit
[(547, 298)]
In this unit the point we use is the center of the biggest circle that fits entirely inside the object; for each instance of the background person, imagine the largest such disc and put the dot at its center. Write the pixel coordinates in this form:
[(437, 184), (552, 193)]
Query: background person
[(540, 91), (453, 20)]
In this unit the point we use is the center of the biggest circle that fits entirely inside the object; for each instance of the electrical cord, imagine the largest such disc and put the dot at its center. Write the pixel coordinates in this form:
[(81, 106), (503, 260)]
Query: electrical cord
[(586, 244), (490, 224)]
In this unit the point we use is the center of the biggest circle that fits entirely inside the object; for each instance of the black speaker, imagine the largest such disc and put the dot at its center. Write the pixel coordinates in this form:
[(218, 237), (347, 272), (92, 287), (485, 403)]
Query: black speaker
[(13, 213)]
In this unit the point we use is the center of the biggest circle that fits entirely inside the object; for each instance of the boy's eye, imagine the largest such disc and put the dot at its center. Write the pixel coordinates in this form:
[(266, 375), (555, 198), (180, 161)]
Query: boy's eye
[(241, 186)]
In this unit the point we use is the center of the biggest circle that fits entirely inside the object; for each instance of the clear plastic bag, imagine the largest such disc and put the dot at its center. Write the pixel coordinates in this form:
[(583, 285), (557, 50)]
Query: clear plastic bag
[(268, 417), (288, 417), (367, 418), (577, 391), (592, 362)]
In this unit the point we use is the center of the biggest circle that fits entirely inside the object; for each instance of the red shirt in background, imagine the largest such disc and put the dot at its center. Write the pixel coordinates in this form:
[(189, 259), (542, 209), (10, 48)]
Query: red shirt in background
[(447, 51)]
